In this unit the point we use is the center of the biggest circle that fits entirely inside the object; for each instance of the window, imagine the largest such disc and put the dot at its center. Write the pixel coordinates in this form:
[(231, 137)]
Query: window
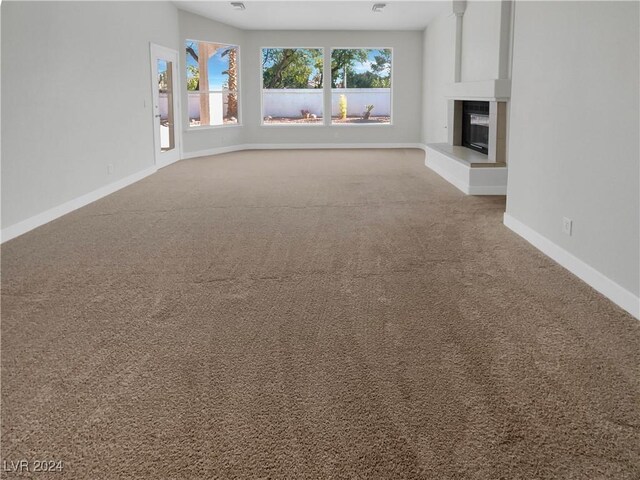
[(212, 83), (361, 86), (292, 86), (164, 70)]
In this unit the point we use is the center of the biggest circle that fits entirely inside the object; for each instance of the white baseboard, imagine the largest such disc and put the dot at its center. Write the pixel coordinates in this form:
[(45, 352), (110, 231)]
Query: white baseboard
[(306, 146), (603, 284), (47, 216), (487, 190), (166, 164), (619, 295), (294, 146), (213, 151)]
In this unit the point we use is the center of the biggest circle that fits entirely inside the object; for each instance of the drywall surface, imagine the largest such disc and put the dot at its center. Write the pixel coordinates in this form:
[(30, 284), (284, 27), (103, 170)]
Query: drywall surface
[(574, 132), (438, 73), (484, 56), (76, 97), (406, 86), (481, 41), (195, 27)]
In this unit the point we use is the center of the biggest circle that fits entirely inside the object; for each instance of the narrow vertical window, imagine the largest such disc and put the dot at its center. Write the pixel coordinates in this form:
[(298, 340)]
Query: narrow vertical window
[(165, 105), (212, 83), (292, 80), (361, 86)]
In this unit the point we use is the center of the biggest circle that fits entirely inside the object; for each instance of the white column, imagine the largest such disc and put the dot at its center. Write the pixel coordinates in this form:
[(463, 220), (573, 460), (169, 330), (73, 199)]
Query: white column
[(458, 9)]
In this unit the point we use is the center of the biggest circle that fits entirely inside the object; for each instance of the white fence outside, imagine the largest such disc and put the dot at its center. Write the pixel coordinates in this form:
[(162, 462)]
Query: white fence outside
[(289, 102), (358, 98), (164, 105), (217, 104)]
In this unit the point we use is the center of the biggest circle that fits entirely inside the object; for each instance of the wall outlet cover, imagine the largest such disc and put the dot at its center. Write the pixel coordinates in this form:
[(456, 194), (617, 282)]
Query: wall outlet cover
[(567, 225)]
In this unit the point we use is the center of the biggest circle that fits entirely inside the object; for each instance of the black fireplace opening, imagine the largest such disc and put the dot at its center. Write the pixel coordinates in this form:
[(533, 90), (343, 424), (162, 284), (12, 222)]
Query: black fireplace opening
[(475, 126)]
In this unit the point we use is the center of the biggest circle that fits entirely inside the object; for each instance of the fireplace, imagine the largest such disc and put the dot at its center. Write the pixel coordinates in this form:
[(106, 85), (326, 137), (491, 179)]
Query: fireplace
[(475, 125)]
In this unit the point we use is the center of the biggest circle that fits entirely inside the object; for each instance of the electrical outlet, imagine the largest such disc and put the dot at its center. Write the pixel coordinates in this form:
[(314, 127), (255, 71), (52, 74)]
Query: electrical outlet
[(110, 168), (567, 225)]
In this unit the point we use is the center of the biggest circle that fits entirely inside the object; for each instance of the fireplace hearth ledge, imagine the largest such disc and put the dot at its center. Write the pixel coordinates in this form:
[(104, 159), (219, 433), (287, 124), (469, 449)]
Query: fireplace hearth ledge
[(468, 170)]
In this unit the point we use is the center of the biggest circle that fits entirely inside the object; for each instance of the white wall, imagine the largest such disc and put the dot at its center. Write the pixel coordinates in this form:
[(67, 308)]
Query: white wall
[(407, 91), (406, 83), (574, 139), (195, 27), (439, 64), (56, 148), (484, 56), (481, 41)]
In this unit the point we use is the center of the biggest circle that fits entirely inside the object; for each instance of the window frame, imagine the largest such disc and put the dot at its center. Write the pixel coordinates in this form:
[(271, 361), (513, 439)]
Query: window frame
[(391, 78), (239, 123), (261, 74)]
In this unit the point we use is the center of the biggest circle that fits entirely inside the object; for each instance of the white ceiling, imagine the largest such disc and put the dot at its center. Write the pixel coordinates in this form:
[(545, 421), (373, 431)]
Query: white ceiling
[(320, 15)]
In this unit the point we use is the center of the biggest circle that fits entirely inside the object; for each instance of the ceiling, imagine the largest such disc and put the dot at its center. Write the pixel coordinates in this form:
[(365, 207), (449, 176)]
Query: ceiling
[(320, 15)]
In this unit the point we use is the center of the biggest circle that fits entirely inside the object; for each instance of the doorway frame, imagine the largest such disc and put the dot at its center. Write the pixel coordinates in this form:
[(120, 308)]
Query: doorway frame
[(156, 51)]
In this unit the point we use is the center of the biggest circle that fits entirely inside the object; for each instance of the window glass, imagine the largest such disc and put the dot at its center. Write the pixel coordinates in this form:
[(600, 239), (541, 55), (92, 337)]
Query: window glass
[(292, 80), (361, 86), (213, 74)]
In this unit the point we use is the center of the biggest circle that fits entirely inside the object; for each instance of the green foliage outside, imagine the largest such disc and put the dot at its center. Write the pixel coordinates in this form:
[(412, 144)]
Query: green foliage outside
[(302, 68), (162, 82), (367, 80), (193, 78), (344, 62), (292, 68)]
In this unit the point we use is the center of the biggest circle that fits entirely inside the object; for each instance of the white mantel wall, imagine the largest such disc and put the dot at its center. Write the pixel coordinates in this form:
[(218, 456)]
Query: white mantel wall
[(438, 72), (482, 47), (481, 41)]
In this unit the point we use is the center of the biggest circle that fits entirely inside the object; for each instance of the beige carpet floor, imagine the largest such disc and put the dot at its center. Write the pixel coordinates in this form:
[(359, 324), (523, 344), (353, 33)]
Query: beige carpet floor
[(309, 314)]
